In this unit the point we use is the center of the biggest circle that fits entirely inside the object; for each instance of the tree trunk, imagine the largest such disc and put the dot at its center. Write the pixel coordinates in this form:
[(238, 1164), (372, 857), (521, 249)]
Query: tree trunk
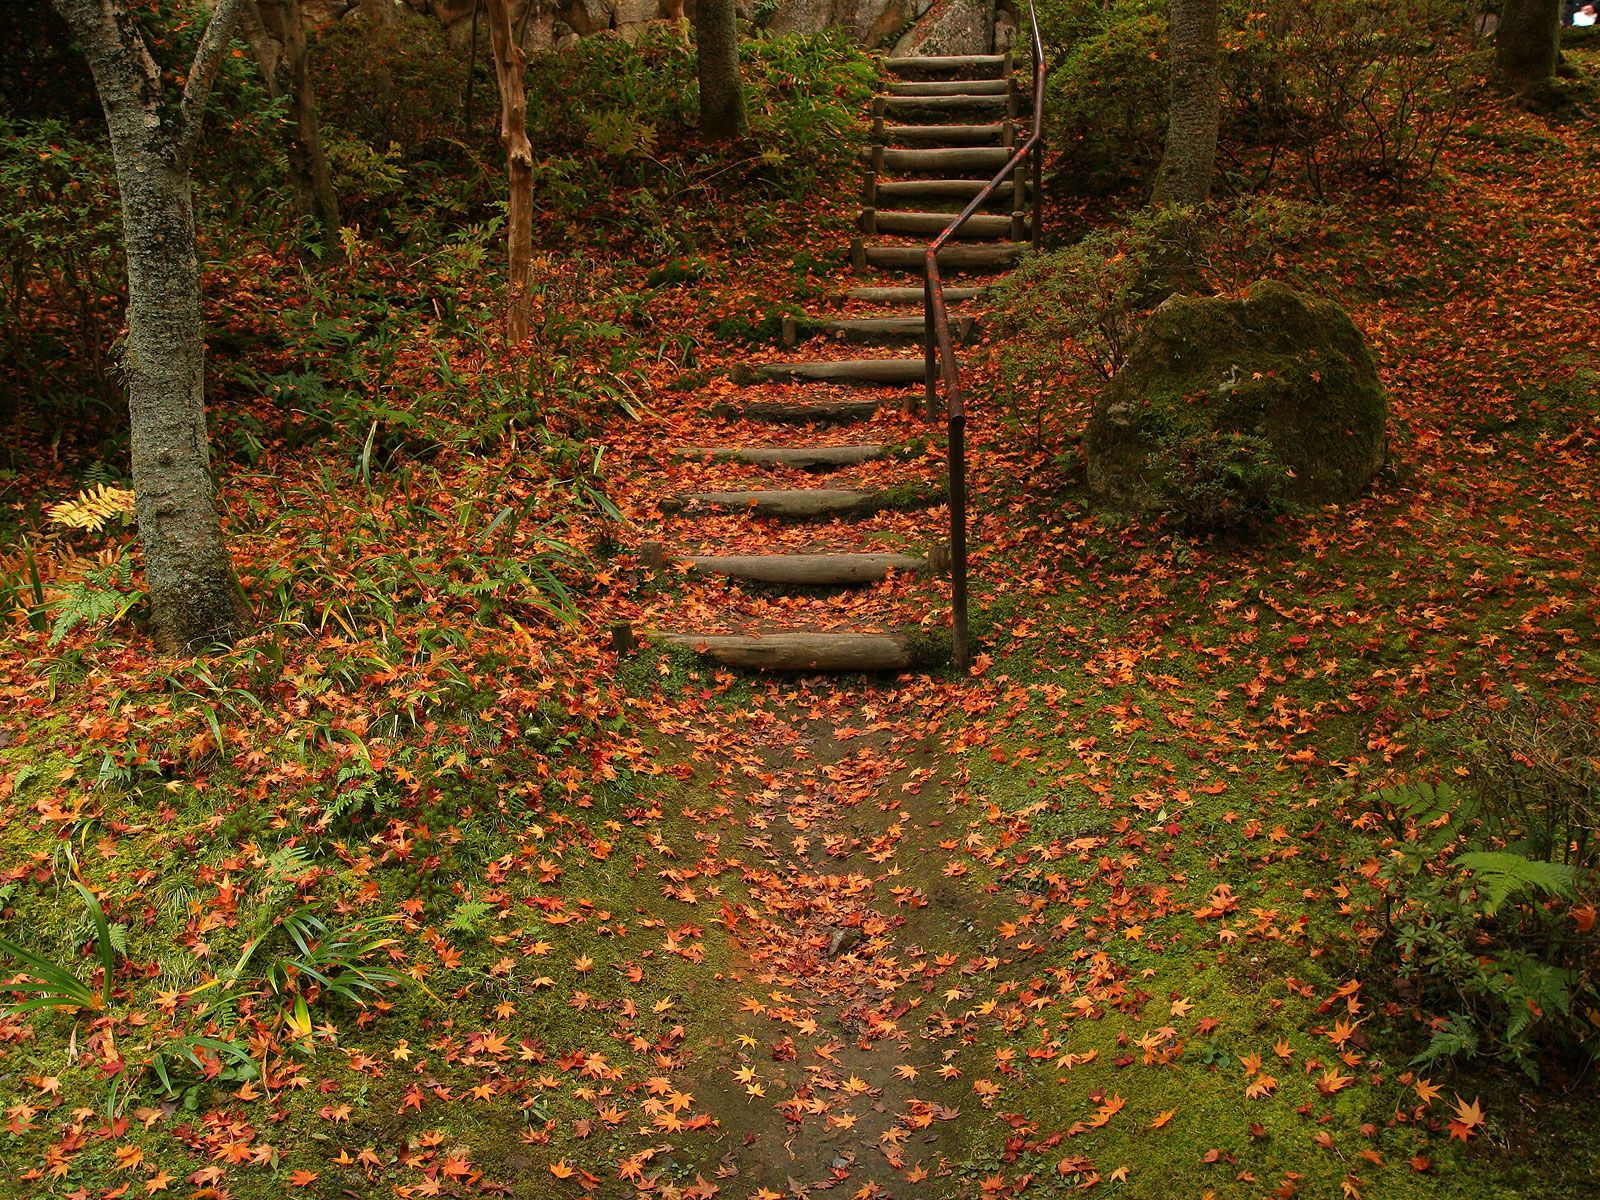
[(278, 35), (1195, 105), (717, 65), (194, 594), (1527, 43), (511, 76)]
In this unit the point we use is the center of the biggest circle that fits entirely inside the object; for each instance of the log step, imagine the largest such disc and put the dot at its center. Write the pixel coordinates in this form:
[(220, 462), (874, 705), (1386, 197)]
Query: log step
[(796, 504), (978, 66), (803, 457), (956, 191), (909, 295), (949, 87), (998, 257), (876, 329), (946, 136), (799, 412), (932, 224), (870, 372), (942, 105), (985, 160), (802, 650), (792, 570)]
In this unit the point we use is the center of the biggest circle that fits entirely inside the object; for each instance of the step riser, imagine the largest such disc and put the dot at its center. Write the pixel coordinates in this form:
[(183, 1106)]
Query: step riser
[(901, 108), (973, 66), (950, 87), (817, 652), (882, 330), (910, 295), (950, 194), (984, 160), (944, 137), (806, 570), (804, 458), (930, 225), (869, 372), (800, 504), (837, 412), (951, 258)]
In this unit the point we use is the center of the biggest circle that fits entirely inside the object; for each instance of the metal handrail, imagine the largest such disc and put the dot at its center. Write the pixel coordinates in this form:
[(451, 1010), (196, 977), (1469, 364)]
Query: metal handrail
[(939, 349)]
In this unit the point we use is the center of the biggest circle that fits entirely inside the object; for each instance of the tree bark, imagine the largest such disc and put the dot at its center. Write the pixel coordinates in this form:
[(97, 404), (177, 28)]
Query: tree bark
[(1194, 108), (511, 76), (194, 594), (1527, 43), (278, 36), (717, 65)]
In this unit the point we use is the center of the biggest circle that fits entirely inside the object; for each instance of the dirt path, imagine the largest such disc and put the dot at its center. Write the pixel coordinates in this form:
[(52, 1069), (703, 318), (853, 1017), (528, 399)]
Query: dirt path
[(842, 1063)]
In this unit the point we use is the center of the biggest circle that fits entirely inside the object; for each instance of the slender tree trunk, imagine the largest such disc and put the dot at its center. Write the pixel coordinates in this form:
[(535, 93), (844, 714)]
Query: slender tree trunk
[(1195, 105), (716, 33), (194, 594), (511, 71), (1527, 43), (278, 35)]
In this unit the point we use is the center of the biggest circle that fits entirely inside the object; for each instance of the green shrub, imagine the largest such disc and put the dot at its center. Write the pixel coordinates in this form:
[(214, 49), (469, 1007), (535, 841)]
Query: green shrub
[(1360, 92), (62, 273), (1352, 92), (1218, 481), (1489, 892), (1106, 96), (608, 114), (1066, 319)]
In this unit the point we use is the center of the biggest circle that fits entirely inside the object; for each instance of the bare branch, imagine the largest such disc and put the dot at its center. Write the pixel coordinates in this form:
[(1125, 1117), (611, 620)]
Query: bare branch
[(203, 71)]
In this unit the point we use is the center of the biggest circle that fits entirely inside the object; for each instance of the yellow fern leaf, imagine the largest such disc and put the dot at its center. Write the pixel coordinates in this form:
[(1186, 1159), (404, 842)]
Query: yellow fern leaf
[(94, 508)]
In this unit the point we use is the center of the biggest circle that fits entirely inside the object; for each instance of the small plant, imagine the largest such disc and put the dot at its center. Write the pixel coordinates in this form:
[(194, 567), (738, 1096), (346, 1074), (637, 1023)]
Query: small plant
[(102, 595), (1489, 892), (1218, 481), (49, 986)]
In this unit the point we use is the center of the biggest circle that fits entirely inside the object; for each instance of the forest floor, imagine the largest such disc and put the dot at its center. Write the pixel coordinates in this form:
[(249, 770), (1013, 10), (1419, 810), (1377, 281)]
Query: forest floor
[(1087, 918)]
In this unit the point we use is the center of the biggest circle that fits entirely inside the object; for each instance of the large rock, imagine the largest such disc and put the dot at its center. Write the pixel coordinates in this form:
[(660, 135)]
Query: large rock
[(874, 23), (952, 27), (1237, 404)]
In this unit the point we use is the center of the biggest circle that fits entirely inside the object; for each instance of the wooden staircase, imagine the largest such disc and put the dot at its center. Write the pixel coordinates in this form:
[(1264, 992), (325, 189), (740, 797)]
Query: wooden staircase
[(941, 130)]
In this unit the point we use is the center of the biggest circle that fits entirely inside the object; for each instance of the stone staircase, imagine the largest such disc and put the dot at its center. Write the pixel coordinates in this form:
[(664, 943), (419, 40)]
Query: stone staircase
[(941, 130)]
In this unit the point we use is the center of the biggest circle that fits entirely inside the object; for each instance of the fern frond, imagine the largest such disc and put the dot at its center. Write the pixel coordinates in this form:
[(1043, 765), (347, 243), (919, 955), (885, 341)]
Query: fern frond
[(92, 509), (1501, 875)]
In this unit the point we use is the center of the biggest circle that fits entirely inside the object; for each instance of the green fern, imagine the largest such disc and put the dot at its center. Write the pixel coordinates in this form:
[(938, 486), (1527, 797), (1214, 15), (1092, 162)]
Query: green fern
[(102, 596), (1501, 875)]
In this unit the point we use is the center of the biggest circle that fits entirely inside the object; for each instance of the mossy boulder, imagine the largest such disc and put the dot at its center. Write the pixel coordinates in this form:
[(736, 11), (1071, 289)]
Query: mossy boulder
[(1226, 409)]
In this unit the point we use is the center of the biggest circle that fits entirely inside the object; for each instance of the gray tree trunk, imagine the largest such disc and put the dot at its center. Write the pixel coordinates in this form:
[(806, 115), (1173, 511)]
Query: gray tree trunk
[(194, 594), (1195, 105), (716, 33), (1527, 43), (278, 35)]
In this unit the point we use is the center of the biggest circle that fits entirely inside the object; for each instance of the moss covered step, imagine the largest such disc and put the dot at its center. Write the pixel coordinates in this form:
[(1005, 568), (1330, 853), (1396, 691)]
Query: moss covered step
[(948, 104), (932, 224), (864, 372), (804, 457), (799, 412), (791, 570), (994, 134), (809, 650), (909, 295), (980, 160), (803, 504), (949, 87), (1001, 256), (972, 66), (874, 329), (956, 192)]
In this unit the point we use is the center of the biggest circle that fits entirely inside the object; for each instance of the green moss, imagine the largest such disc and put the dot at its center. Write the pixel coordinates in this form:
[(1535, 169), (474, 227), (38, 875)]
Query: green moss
[(1284, 380)]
